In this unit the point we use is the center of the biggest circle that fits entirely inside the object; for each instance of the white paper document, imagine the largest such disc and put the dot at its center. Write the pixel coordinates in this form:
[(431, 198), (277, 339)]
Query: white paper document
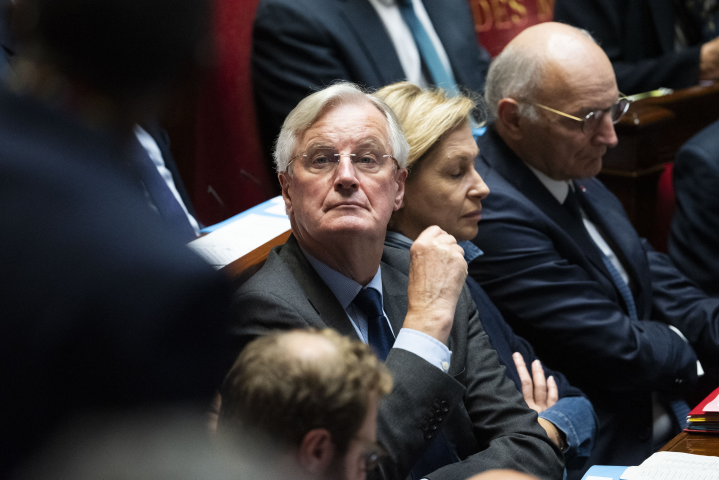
[(227, 244), (675, 466)]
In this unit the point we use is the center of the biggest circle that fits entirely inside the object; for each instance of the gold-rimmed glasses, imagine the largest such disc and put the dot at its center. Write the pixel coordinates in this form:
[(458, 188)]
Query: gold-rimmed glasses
[(591, 121), (324, 160)]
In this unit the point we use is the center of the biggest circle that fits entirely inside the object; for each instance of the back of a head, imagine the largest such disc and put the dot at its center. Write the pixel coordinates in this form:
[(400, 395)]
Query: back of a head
[(286, 384), (522, 69), (120, 48)]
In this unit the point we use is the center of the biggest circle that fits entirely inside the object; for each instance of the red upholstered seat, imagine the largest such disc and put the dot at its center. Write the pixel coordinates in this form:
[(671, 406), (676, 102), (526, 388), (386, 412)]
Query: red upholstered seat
[(228, 157), (664, 209)]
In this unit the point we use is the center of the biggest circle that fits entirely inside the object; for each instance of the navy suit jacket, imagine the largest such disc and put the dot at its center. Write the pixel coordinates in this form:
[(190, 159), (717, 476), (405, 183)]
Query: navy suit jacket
[(543, 272), (694, 238), (639, 40), (102, 308), (300, 46)]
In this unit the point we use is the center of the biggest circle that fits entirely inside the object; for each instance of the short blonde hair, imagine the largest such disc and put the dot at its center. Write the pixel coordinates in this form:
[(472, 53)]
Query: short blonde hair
[(275, 388), (425, 115)]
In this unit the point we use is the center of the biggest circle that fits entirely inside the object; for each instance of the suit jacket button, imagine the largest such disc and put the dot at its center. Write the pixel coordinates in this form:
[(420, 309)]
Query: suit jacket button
[(439, 418), (445, 406), (428, 435)]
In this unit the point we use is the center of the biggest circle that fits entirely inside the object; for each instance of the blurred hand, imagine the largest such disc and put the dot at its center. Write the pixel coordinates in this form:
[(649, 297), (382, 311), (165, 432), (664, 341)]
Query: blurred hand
[(540, 394), (436, 276), (709, 60)]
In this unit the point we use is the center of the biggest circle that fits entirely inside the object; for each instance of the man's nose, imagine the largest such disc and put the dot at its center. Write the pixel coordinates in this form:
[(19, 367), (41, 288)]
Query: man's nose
[(345, 174), (605, 134)]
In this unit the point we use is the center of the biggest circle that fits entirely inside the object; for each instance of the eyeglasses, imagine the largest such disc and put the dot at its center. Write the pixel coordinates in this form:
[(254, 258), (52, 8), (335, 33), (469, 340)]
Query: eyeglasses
[(591, 121), (372, 456), (324, 160)]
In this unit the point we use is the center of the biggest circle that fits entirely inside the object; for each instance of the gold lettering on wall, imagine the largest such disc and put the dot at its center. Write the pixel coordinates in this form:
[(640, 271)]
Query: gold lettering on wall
[(545, 10), (500, 14)]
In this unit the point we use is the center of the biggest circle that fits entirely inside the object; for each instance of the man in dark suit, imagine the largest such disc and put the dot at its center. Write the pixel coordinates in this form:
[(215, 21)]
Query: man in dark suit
[(103, 308), (299, 46), (561, 260), (693, 241), (452, 412), (639, 38)]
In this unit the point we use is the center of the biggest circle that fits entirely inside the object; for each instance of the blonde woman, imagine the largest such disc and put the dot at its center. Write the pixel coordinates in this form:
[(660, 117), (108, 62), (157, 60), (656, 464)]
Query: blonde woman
[(444, 189)]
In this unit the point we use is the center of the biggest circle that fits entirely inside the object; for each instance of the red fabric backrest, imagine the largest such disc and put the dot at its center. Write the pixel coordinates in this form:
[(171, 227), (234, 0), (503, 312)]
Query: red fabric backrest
[(228, 154), (664, 209), (499, 21)]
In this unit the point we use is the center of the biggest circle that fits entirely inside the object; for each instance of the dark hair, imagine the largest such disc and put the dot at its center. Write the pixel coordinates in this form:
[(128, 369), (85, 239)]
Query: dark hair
[(118, 47)]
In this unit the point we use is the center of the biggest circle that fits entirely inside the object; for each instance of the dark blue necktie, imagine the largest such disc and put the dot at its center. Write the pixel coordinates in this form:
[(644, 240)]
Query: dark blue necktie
[(440, 76), (160, 194), (379, 333), (437, 454), (572, 204)]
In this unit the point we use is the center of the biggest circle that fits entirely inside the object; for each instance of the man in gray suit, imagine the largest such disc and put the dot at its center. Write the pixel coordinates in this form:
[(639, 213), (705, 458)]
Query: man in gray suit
[(341, 160)]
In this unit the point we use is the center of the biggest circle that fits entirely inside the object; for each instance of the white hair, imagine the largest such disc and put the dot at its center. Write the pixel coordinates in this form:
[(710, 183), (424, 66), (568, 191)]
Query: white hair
[(309, 110), (517, 73)]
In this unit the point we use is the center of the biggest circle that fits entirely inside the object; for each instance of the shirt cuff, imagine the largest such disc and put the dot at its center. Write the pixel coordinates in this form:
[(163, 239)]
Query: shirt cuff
[(575, 417), (700, 370), (425, 347)]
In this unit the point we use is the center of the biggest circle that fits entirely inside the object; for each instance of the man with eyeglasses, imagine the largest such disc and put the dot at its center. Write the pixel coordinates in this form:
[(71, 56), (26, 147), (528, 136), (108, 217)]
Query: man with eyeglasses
[(341, 159), (562, 261)]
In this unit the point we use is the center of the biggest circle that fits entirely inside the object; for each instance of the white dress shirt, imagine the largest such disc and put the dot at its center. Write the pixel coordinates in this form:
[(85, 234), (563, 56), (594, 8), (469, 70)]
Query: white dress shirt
[(403, 40)]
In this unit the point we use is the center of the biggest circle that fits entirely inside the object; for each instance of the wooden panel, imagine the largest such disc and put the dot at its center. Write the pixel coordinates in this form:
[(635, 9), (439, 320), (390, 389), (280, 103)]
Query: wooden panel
[(244, 267), (695, 443), (650, 134)]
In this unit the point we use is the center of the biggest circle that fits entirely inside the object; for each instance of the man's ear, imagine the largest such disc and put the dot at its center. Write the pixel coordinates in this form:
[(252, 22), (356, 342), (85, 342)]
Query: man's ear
[(508, 117), (316, 451), (285, 180), (401, 178)]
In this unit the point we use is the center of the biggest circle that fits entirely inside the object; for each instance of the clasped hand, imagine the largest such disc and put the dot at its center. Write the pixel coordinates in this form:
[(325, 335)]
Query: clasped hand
[(436, 276)]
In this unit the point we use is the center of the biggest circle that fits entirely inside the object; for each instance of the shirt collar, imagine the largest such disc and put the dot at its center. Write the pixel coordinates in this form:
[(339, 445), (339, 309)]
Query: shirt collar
[(558, 188), (396, 239), (344, 288)]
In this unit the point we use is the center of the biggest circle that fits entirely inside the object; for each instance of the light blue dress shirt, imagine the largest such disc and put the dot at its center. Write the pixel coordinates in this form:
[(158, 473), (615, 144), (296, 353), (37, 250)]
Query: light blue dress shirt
[(345, 290)]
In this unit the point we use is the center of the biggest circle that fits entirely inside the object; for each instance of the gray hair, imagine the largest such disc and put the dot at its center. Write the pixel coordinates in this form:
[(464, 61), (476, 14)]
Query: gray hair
[(517, 73), (309, 110)]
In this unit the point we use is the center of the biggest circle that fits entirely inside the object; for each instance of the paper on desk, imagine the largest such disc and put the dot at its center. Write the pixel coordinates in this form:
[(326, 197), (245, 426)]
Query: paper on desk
[(675, 466), (227, 244)]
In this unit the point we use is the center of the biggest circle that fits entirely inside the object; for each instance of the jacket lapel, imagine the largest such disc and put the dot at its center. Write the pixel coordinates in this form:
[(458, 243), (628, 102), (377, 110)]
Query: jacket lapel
[(394, 294), (317, 292), (622, 238), (508, 164), (360, 18)]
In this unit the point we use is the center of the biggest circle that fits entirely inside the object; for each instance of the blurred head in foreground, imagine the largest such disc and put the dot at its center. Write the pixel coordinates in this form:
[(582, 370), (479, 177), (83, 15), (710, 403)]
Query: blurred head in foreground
[(117, 56), (152, 445), (315, 394)]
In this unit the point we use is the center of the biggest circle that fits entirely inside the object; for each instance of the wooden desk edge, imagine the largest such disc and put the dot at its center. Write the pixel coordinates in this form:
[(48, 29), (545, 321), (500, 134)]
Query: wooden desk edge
[(247, 265)]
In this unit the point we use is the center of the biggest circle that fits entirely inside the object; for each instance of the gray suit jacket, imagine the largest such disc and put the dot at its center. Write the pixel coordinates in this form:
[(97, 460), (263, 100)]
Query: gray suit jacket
[(479, 411)]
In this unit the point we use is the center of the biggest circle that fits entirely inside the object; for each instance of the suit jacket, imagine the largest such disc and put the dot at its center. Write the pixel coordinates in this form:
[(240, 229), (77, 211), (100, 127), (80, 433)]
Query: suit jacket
[(693, 243), (544, 273), (478, 410), (102, 309), (300, 46), (638, 37), (163, 143)]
